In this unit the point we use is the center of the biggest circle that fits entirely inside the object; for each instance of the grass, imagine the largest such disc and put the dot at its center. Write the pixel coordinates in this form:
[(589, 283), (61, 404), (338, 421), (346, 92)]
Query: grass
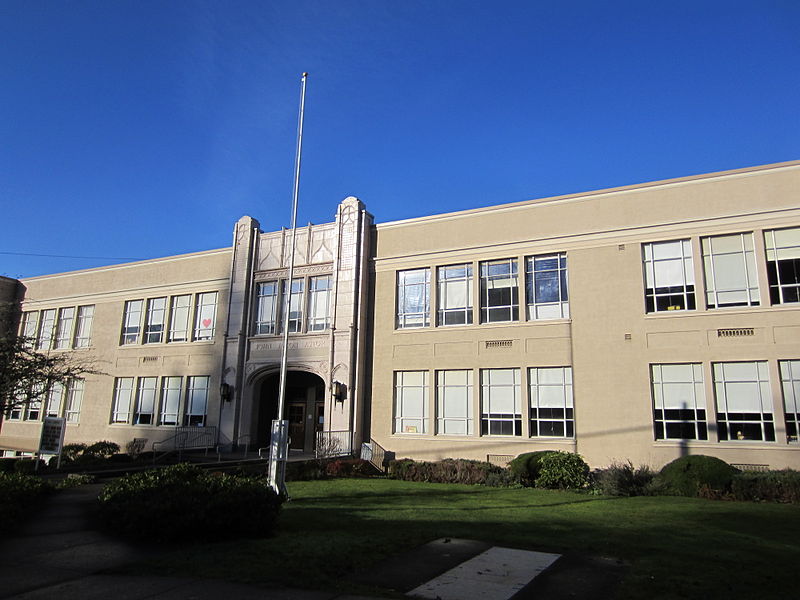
[(676, 547)]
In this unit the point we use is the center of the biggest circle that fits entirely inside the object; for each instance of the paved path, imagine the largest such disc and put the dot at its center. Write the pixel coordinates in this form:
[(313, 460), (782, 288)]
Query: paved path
[(59, 555)]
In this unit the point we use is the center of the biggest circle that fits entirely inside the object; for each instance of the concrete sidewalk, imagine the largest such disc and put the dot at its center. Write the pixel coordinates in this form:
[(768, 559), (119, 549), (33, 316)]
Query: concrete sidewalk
[(60, 554)]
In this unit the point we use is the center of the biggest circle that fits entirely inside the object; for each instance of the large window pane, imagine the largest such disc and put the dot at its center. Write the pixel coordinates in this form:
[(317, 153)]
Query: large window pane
[(319, 294), (170, 401), (744, 401), (783, 265), (790, 382), (66, 319), (499, 291), (206, 316), (455, 295), (411, 402), (413, 298), (54, 399), (131, 322), (454, 402), (669, 276), (679, 402), (501, 409), (551, 409), (179, 318), (83, 330), (123, 399), (546, 286), (154, 323), (196, 401), (266, 307), (145, 401), (74, 400), (730, 271), (45, 339)]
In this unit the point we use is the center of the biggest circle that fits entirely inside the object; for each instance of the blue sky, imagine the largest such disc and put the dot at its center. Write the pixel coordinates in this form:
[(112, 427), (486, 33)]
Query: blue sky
[(137, 129)]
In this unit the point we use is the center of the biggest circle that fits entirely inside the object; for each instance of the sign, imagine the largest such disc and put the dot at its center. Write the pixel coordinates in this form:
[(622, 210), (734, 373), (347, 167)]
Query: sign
[(278, 451), (52, 438)]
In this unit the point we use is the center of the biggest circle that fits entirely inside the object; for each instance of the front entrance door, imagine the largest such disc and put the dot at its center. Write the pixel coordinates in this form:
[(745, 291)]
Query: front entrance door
[(296, 414)]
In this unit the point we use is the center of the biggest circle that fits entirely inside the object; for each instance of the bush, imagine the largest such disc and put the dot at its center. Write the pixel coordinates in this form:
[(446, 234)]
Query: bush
[(349, 467), (183, 502), (448, 470), (687, 475), (19, 494), (74, 480), (72, 451), (623, 479), (28, 466), (307, 470), (772, 486), (525, 468), (102, 449), (562, 470)]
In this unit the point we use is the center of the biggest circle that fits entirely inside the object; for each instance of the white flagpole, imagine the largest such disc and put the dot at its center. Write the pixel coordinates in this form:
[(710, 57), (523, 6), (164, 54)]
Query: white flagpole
[(278, 455)]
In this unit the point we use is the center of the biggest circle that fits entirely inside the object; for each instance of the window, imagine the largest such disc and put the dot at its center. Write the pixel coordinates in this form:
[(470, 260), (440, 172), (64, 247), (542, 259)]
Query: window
[(66, 318), (295, 304), (83, 330), (267, 307), (783, 265), (679, 402), (455, 295), (123, 396), (551, 402), (54, 398), (319, 293), (790, 380), (170, 400), (29, 322), (730, 271), (413, 298), (668, 276), (501, 409), (154, 322), (744, 402), (196, 401), (499, 291), (411, 402), (179, 318), (206, 316), (454, 402), (145, 401), (33, 411), (546, 287), (45, 339), (131, 322), (74, 399)]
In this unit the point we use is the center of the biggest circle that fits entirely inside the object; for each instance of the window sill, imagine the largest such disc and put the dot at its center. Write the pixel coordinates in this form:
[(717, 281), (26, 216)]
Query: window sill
[(483, 326), (210, 342), (733, 310)]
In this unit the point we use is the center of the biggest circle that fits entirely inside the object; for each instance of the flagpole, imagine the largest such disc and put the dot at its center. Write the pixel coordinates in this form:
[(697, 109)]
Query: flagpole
[(279, 451)]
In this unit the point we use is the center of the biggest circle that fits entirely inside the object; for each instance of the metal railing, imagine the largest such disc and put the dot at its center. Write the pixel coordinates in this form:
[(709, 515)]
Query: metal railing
[(334, 443), (375, 454), (187, 438)]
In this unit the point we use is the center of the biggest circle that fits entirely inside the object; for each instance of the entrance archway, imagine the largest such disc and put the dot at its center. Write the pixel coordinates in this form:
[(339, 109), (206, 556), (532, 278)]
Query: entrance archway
[(304, 409)]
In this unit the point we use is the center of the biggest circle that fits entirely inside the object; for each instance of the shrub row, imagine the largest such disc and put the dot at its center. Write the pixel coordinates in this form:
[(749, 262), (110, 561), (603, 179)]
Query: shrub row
[(186, 502), (450, 471), (18, 495)]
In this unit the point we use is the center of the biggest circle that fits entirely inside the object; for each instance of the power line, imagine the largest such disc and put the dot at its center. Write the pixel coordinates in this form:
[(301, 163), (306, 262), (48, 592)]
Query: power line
[(69, 256)]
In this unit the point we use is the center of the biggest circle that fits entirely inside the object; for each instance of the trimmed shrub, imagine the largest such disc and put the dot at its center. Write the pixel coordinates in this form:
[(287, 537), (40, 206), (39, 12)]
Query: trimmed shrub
[(448, 470), (19, 494), (772, 486), (7, 465), (525, 468), (349, 467), (687, 475), (72, 451), (102, 449), (307, 470), (562, 470), (27, 466), (183, 502), (623, 479)]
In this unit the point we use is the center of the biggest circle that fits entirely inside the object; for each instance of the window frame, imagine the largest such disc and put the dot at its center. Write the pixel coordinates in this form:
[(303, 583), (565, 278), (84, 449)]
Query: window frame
[(463, 312), (533, 306), (766, 421), (694, 416), (536, 389), (775, 273), (487, 308), (790, 387), (747, 272), (490, 418), (442, 404), (404, 284), (402, 411), (685, 292)]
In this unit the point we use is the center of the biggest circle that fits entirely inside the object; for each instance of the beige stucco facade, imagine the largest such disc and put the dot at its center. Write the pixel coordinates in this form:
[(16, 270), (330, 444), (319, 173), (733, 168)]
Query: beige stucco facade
[(569, 326), (608, 339)]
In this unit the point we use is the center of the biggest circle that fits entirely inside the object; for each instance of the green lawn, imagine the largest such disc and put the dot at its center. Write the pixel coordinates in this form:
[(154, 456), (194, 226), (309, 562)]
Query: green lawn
[(677, 547)]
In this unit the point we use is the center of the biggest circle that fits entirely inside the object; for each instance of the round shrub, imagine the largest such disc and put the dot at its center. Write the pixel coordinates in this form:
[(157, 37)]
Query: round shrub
[(687, 475), (562, 470), (184, 502), (623, 479), (104, 449), (525, 468)]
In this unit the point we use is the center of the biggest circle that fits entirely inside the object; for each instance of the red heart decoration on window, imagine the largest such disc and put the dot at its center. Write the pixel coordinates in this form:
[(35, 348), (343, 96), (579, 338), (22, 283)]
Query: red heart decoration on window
[(206, 322)]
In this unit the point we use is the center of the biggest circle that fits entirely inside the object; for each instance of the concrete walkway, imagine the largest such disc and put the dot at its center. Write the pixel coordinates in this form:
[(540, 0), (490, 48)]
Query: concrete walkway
[(59, 555)]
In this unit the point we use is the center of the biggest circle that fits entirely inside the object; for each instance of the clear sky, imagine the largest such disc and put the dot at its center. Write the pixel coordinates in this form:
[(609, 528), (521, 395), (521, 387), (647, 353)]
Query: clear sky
[(145, 128)]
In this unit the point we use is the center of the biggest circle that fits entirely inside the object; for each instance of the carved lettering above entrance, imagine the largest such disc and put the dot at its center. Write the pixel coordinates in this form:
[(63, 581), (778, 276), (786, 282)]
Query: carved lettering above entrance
[(298, 272), (293, 345)]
